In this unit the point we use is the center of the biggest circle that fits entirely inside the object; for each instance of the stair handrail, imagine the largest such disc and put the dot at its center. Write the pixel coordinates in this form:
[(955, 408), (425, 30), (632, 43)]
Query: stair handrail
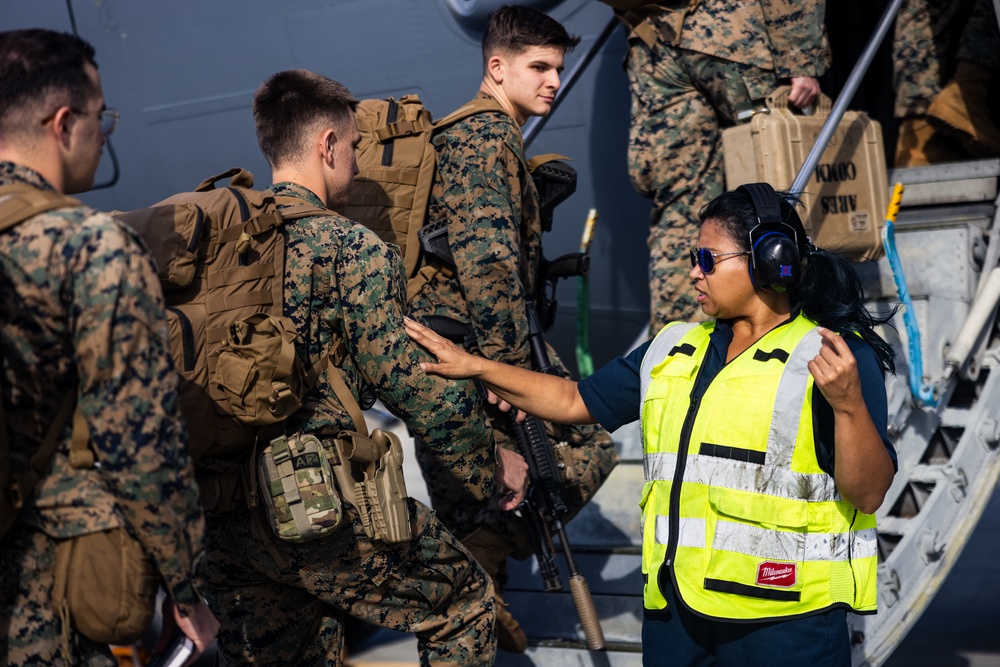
[(846, 94)]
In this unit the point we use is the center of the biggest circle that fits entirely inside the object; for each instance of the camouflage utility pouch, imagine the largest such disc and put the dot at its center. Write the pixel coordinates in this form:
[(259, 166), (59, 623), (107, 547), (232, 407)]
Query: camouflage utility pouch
[(258, 376), (105, 586), (300, 495), (370, 475)]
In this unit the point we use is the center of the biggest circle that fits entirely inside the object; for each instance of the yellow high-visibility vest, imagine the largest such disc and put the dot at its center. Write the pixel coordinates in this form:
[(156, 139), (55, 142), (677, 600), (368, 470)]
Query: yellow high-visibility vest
[(735, 507)]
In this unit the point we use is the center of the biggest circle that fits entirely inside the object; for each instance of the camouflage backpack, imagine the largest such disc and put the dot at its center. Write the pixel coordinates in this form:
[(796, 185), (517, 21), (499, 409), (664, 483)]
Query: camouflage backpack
[(17, 204), (220, 255), (397, 164)]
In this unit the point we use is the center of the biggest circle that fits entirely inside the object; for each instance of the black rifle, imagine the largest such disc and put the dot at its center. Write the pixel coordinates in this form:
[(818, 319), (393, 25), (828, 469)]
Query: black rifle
[(554, 181), (544, 507), (545, 503)]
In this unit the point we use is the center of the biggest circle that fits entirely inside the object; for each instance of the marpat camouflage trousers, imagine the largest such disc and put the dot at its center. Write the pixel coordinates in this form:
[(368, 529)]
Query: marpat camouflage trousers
[(681, 101), (280, 603), (925, 40)]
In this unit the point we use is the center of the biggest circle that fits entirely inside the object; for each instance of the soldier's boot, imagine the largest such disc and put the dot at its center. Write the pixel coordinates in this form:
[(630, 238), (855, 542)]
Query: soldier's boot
[(919, 145), (490, 549), (962, 109)]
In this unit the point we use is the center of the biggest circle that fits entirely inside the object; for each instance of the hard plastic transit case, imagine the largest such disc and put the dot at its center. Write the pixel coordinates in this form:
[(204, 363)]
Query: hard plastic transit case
[(847, 194)]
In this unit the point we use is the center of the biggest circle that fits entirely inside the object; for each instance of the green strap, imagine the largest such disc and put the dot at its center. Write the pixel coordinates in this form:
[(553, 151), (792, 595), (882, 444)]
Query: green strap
[(584, 361)]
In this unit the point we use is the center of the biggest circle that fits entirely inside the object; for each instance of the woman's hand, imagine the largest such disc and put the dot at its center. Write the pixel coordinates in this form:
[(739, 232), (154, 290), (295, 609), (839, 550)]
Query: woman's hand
[(836, 372), (550, 397), (452, 361), (863, 468)]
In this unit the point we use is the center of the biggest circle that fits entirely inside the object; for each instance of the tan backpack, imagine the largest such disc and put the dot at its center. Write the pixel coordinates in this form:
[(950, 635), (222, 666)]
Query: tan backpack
[(397, 164), (221, 260)]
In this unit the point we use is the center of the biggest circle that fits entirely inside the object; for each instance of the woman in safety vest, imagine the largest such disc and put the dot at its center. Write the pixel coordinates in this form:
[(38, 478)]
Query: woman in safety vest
[(764, 442)]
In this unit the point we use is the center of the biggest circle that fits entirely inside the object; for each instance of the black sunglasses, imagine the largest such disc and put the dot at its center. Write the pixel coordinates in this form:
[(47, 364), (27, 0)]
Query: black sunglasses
[(705, 259)]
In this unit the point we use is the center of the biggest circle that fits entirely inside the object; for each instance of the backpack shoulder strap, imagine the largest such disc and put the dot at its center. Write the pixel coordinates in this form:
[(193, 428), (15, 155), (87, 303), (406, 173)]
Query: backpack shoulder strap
[(21, 487), (330, 361), (477, 105), (295, 209), (482, 104), (20, 202)]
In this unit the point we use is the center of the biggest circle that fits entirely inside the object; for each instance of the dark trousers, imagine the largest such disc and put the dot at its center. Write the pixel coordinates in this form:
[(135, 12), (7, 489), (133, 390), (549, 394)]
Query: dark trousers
[(677, 637)]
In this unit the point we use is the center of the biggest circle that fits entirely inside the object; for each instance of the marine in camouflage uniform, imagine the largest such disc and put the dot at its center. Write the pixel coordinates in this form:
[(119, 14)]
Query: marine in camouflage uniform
[(925, 43), (966, 109), (281, 602), (83, 308), (82, 314), (692, 66), (484, 191)]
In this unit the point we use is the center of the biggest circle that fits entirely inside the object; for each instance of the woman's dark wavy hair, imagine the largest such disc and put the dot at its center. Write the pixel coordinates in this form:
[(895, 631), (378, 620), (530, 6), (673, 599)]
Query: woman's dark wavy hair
[(829, 290)]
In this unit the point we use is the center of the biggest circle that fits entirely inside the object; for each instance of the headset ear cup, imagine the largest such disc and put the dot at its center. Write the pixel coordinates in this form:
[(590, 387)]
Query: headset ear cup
[(774, 265)]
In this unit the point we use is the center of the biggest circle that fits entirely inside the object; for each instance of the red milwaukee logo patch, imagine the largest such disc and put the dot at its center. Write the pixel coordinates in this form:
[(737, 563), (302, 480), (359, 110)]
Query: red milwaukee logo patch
[(776, 574)]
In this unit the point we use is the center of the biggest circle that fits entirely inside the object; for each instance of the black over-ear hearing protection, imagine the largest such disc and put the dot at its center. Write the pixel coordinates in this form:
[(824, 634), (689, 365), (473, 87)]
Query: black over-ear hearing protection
[(775, 245)]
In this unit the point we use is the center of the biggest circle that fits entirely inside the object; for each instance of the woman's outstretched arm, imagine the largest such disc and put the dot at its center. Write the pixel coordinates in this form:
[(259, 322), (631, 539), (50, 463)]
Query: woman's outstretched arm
[(547, 396)]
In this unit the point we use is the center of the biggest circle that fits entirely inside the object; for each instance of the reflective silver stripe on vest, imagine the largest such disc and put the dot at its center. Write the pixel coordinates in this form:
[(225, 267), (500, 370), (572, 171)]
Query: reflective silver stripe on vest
[(741, 476), (789, 401), (659, 467), (774, 477), (772, 545), (793, 546), (692, 532), (658, 350)]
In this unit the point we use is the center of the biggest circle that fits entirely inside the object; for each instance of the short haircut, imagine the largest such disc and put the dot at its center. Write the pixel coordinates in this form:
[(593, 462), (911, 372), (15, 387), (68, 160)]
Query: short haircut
[(290, 104), (41, 70), (513, 29)]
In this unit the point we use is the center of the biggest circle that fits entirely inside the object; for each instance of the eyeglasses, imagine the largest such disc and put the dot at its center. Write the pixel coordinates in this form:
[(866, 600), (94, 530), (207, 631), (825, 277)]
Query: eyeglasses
[(107, 117), (705, 259)]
